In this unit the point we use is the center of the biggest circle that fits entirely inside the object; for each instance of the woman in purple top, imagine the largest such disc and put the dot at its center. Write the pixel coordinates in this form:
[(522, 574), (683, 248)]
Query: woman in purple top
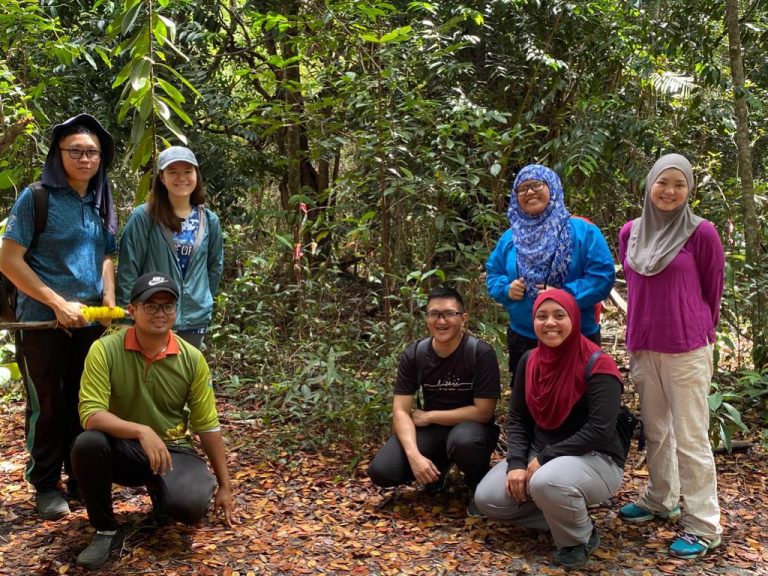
[(673, 263)]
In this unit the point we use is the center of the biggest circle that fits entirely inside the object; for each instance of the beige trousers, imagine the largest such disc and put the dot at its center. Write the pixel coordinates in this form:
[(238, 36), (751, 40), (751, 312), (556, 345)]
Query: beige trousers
[(673, 392)]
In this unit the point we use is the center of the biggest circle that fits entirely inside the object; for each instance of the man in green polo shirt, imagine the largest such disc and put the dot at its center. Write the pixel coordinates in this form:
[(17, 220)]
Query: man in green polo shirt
[(133, 394)]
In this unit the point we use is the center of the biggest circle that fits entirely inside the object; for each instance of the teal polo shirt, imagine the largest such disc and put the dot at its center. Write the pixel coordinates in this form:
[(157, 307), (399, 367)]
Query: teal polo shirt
[(70, 252)]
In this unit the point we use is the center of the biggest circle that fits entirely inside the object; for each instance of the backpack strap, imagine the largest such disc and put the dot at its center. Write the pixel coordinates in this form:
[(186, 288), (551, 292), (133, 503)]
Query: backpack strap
[(591, 363), (420, 357), (40, 198), (470, 353), (146, 244)]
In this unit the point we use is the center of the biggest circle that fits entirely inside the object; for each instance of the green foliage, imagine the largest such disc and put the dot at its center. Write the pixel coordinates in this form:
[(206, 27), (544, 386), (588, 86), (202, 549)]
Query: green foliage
[(399, 128), (746, 394), (32, 44), (10, 389), (292, 353), (152, 88), (314, 359), (753, 386), (725, 418)]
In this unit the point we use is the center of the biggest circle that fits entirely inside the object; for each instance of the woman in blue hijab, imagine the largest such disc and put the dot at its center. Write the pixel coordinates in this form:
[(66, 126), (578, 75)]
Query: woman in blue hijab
[(546, 247)]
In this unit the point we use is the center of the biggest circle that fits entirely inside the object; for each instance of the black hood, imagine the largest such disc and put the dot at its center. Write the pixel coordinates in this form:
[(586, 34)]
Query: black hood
[(55, 176)]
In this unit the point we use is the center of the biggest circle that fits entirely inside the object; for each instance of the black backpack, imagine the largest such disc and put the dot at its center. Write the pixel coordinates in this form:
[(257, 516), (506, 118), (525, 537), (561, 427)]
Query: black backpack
[(8, 291), (420, 357)]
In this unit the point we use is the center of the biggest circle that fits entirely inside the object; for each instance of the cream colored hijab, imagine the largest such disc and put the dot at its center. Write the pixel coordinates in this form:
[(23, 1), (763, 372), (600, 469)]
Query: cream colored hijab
[(658, 236)]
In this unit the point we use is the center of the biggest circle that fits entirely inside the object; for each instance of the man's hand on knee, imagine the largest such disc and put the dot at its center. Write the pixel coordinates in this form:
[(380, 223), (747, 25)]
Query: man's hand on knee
[(157, 452), (423, 469)]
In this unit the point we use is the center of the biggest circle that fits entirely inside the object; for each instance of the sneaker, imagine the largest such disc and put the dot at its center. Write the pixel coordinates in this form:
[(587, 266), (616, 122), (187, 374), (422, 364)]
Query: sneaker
[(691, 546), (51, 504), (576, 556), (98, 550), (633, 513)]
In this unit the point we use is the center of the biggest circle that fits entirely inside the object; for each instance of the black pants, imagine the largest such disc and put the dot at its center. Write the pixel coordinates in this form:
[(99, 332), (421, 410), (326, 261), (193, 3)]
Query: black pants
[(51, 364), (194, 337), (517, 345), (99, 460), (469, 445)]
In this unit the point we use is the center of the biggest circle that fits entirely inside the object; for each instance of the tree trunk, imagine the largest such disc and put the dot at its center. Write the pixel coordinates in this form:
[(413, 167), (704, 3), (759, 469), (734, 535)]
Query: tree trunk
[(386, 248), (11, 135), (751, 225)]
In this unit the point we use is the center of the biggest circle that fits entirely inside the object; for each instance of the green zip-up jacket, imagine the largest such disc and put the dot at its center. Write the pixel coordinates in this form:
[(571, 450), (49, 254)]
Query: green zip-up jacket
[(147, 246)]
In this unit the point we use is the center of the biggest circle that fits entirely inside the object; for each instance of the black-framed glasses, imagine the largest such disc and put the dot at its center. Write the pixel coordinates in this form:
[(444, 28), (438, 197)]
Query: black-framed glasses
[(536, 186), (434, 315), (77, 153), (153, 308)]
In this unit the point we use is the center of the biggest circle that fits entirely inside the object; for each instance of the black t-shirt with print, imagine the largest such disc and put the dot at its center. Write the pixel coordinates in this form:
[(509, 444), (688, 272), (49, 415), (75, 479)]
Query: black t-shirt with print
[(449, 383)]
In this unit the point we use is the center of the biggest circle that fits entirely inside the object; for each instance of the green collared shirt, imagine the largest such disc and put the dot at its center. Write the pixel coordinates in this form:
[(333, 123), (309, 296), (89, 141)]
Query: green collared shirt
[(156, 392)]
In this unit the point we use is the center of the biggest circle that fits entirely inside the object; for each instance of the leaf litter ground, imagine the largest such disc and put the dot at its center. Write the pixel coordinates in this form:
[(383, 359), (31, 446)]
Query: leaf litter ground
[(308, 513)]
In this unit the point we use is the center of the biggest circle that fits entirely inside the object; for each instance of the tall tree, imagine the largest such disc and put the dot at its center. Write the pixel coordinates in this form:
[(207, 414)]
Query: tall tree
[(753, 243)]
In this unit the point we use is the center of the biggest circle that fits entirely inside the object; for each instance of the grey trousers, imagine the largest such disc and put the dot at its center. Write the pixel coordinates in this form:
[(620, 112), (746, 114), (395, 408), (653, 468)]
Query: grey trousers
[(560, 492)]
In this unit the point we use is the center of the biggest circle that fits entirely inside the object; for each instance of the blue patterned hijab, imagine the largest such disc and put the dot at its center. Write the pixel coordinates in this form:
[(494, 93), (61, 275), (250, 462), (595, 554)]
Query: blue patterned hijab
[(543, 242)]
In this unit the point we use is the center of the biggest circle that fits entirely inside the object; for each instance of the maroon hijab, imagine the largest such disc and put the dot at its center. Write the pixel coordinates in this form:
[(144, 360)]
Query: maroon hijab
[(555, 378)]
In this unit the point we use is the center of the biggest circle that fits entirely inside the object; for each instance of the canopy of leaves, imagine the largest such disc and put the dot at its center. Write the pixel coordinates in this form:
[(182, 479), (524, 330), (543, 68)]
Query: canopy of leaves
[(359, 152)]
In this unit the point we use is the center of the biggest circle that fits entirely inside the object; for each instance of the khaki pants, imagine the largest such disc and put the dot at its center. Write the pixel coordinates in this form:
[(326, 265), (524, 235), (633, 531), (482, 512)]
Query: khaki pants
[(673, 392)]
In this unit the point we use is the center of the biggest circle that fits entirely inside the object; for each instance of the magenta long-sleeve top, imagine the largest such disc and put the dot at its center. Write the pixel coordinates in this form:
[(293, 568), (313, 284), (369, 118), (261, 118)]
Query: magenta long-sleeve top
[(677, 309)]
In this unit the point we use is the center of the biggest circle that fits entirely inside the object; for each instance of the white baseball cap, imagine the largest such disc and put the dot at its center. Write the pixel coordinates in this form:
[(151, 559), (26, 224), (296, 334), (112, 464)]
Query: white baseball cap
[(175, 154)]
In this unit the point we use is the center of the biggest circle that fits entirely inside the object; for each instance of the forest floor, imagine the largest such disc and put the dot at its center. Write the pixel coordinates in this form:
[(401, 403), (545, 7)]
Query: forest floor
[(311, 513)]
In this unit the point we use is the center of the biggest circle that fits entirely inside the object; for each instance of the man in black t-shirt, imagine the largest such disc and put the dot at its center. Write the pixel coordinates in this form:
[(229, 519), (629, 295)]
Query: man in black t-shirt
[(460, 394)]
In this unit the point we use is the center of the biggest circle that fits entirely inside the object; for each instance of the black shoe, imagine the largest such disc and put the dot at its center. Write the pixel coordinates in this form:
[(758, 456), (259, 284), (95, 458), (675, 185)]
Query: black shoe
[(435, 487), (155, 521), (98, 550), (472, 510), (73, 491), (576, 556), (51, 504), (159, 516), (440, 485)]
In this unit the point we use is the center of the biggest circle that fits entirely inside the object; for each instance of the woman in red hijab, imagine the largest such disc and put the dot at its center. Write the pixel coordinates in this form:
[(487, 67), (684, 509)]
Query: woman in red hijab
[(564, 453)]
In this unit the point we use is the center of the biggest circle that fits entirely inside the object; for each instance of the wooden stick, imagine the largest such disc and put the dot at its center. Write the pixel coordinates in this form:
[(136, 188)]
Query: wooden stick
[(42, 325), (620, 303)]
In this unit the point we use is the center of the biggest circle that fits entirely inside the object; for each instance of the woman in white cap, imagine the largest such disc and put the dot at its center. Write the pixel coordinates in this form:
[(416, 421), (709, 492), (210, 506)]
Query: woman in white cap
[(176, 234), (673, 262)]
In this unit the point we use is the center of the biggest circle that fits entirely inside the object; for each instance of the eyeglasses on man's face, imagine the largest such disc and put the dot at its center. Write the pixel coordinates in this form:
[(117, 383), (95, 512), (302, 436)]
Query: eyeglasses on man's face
[(77, 153), (435, 315), (533, 185), (153, 308)]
